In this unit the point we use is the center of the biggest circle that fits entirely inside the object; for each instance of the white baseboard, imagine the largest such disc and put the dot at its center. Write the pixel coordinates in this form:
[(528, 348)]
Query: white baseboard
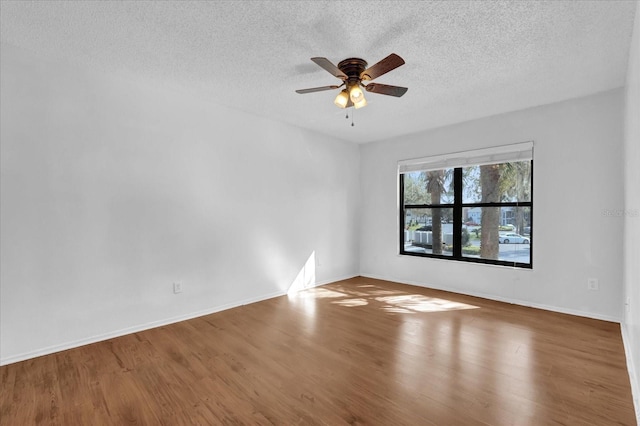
[(634, 379), (504, 299), (141, 327)]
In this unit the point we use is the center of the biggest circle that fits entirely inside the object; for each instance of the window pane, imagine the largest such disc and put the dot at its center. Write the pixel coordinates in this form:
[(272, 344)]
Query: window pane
[(432, 187), (429, 230), (415, 191), (519, 218), (503, 182), (498, 234)]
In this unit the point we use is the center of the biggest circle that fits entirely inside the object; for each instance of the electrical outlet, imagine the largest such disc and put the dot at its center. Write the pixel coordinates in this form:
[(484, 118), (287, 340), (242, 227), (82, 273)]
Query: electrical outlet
[(592, 284), (177, 287)]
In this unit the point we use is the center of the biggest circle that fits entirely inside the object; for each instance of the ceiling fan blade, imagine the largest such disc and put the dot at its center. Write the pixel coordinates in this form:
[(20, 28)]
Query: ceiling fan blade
[(389, 63), (385, 89), (328, 65), (316, 89)]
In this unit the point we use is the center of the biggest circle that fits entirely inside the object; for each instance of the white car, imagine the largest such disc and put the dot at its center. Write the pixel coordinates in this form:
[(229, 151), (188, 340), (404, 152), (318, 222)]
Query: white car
[(512, 238)]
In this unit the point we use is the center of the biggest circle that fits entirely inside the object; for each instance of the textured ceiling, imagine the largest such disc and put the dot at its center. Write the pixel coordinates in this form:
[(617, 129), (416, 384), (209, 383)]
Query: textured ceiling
[(464, 59)]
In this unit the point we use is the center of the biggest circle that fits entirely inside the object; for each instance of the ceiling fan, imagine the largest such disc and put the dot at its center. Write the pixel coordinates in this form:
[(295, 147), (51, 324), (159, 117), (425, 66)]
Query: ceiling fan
[(352, 72)]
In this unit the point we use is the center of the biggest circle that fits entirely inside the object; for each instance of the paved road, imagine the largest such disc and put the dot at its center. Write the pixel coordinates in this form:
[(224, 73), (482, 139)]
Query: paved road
[(508, 252)]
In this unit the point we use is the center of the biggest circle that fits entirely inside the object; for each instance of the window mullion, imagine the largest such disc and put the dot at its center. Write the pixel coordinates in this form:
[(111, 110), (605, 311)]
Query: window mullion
[(457, 213)]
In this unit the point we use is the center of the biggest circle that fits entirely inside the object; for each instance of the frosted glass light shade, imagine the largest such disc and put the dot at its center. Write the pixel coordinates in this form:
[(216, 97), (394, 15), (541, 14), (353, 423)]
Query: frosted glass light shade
[(342, 99), (355, 92), (362, 102)]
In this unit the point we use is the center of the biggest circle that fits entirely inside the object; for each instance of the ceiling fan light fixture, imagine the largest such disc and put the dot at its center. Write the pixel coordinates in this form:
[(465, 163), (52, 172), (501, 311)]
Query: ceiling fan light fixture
[(356, 94), (352, 72), (342, 99), (362, 102)]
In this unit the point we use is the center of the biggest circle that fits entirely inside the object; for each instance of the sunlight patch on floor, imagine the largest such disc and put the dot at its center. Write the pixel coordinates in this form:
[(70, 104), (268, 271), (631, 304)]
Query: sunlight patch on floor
[(420, 303), (379, 292), (323, 293), (392, 301), (351, 302)]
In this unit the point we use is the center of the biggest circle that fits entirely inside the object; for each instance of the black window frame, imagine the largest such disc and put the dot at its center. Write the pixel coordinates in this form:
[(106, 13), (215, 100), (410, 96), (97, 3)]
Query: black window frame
[(458, 207)]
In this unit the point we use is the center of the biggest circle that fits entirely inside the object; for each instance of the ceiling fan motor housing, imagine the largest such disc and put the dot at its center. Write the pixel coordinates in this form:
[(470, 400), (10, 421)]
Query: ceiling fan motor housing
[(353, 67)]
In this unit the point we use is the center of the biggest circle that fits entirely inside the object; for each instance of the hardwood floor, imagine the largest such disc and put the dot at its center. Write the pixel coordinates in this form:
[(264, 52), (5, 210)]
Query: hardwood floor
[(359, 351)]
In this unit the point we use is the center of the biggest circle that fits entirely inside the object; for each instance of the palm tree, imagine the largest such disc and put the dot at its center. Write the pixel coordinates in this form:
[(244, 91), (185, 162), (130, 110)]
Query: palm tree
[(490, 221), (435, 186)]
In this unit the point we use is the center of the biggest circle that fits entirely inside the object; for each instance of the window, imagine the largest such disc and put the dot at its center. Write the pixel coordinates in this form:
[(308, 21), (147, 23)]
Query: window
[(474, 206)]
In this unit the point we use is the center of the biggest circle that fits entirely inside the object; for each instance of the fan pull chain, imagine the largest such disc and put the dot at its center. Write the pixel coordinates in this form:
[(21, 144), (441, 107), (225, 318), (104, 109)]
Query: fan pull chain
[(347, 116)]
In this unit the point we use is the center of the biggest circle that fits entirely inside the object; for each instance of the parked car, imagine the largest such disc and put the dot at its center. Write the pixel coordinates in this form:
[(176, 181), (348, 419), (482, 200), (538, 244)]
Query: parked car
[(425, 228), (512, 238)]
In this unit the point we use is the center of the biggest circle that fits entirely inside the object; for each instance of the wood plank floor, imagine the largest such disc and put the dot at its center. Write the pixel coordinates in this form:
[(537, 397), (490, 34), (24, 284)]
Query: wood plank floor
[(359, 351)]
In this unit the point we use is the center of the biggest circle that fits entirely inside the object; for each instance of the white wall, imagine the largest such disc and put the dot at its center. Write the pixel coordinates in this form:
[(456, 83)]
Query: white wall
[(631, 323), (577, 175), (112, 189)]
